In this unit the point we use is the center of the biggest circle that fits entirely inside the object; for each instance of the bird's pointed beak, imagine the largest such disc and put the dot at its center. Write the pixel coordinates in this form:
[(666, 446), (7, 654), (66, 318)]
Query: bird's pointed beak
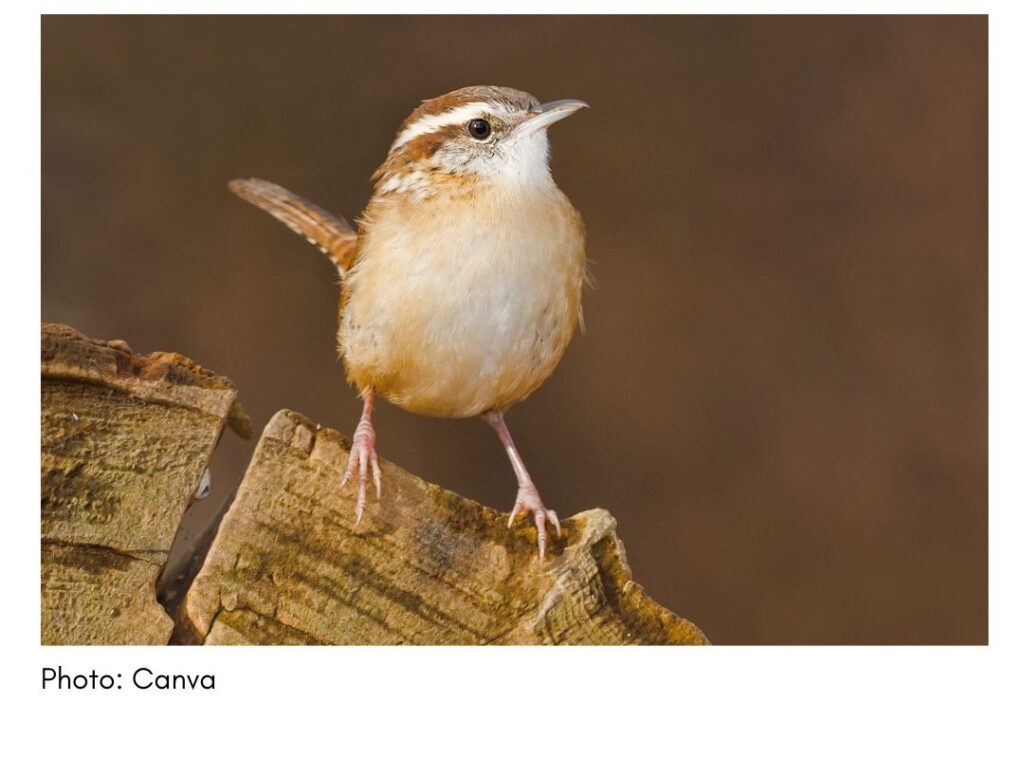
[(543, 116)]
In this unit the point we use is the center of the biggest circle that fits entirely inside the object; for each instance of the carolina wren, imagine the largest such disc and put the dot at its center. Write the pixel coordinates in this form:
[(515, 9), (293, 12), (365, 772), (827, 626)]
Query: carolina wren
[(461, 288)]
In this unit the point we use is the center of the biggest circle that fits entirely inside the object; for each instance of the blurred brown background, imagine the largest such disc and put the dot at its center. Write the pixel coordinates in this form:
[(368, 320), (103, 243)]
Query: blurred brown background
[(781, 393)]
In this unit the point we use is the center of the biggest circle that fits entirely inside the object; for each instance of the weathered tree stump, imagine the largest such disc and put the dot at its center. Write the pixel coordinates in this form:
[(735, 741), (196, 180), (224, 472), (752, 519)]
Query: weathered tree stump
[(425, 566), (125, 442)]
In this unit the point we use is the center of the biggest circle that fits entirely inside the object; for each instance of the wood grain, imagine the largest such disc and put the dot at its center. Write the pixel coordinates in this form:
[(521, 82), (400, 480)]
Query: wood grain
[(125, 441), (426, 566)]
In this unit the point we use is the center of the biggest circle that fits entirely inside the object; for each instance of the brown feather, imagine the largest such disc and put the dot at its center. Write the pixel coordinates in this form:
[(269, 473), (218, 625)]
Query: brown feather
[(331, 234)]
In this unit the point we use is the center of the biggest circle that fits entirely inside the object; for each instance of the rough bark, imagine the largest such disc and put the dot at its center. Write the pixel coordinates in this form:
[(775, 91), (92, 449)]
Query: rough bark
[(125, 441), (425, 566)]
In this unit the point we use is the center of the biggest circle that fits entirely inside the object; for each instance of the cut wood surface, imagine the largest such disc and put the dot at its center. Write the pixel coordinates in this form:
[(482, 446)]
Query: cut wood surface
[(125, 441), (425, 566)]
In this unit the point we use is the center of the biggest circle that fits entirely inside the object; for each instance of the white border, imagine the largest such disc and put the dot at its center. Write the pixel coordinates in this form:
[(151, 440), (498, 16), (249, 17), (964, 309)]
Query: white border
[(724, 710)]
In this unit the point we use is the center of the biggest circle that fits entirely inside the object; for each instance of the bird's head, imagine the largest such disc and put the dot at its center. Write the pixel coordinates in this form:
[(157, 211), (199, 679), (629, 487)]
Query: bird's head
[(475, 134)]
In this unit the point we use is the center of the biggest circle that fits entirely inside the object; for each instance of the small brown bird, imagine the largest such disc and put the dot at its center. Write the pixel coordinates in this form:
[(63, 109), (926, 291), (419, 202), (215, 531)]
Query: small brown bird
[(461, 288)]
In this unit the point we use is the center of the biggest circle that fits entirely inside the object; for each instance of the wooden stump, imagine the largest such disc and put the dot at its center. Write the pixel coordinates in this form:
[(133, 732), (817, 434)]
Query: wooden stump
[(425, 566), (125, 441)]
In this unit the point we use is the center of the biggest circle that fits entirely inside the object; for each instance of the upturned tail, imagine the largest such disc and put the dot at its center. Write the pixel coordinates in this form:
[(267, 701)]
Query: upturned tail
[(331, 234)]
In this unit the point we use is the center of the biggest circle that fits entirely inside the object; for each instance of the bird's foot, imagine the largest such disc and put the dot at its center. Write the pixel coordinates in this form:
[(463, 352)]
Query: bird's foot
[(363, 457), (528, 501)]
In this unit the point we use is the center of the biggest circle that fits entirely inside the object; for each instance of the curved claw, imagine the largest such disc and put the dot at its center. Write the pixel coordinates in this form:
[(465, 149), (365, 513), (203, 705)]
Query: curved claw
[(528, 501)]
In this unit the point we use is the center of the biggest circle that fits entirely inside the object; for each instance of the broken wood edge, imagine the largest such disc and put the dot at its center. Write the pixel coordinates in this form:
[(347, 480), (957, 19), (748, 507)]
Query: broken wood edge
[(628, 597), (168, 378), (188, 567), (196, 613)]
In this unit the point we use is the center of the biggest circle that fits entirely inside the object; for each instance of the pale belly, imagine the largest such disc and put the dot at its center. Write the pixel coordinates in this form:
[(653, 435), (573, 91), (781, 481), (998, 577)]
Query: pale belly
[(455, 319)]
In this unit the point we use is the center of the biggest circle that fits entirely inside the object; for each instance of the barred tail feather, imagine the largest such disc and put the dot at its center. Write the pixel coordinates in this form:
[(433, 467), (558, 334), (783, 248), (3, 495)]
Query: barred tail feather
[(331, 234)]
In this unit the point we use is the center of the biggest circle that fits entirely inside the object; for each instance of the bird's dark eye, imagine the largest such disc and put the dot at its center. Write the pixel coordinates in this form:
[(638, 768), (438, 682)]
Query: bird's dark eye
[(479, 129)]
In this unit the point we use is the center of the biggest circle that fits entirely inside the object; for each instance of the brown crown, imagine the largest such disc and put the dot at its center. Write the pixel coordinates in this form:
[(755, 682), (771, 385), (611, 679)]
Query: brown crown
[(423, 147)]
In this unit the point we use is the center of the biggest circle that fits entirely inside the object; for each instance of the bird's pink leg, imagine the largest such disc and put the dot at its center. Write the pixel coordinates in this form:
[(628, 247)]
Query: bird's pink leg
[(527, 499), (363, 455)]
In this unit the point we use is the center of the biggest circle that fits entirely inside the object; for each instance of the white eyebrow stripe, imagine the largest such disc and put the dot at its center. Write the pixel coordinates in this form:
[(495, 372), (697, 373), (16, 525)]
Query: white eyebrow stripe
[(427, 124)]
